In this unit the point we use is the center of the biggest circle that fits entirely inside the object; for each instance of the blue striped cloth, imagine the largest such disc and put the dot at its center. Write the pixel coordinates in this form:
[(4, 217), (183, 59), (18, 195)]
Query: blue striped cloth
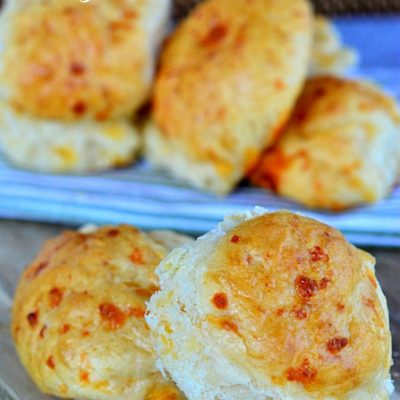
[(149, 199)]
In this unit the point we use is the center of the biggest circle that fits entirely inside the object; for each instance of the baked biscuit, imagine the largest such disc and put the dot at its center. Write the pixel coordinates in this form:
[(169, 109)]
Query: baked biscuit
[(272, 306), (80, 60), (83, 69), (341, 147), (78, 316), (227, 81)]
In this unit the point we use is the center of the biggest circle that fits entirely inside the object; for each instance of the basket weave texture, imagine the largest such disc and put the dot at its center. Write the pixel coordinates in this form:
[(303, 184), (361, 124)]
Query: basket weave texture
[(329, 7), (182, 7)]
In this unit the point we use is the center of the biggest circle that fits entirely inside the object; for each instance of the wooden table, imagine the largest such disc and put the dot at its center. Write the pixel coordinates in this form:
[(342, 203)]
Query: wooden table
[(19, 241)]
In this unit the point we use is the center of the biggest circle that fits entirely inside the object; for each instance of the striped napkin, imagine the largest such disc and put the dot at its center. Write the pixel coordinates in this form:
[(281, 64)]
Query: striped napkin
[(150, 199)]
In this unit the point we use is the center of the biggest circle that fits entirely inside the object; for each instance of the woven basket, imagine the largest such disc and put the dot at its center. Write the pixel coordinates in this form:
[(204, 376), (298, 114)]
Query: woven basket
[(182, 7)]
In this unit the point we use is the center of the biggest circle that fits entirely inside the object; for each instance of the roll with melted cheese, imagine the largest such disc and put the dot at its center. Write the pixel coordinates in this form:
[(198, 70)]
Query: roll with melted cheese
[(69, 70), (341, 147), (227, 81), (272, 306), (78, 316)]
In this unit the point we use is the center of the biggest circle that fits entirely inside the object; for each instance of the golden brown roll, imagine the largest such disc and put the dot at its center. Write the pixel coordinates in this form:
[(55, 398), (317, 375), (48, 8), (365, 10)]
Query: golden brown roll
[(78, 316), (272, 306), (228, 79), (69, 60), (341, 147), (72, 74)]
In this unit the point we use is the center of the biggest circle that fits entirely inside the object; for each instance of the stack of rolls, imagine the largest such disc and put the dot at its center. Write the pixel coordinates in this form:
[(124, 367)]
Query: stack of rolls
[(224, 97), (267, 306), (232, 80)]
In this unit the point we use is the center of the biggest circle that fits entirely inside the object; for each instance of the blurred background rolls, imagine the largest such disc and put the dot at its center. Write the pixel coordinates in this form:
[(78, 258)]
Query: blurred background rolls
[(340, 149), (228, 78), (329, 55), (74, 63)]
